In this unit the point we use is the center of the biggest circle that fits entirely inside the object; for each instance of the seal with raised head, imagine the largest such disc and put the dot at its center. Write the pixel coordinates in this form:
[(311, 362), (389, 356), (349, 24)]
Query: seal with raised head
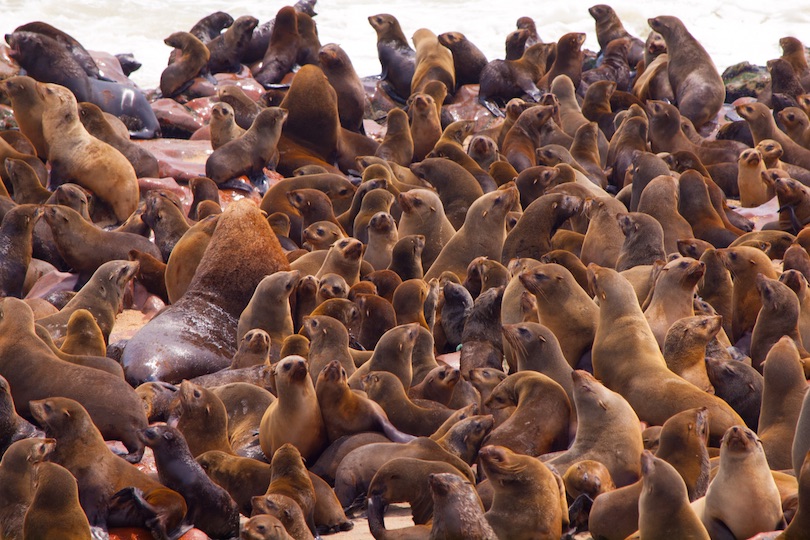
[(698, 88), (397, 58), (77, 156), (210, 508), (193, 57), (55, 511)]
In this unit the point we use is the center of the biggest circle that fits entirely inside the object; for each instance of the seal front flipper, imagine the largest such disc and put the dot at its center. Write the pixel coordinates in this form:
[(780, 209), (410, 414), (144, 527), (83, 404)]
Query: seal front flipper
[(392, 93)]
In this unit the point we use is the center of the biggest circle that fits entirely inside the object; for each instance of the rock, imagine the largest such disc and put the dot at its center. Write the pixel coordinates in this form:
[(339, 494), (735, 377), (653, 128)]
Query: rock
[(176, 121), (745, 80), (179, 159), (110, 67)]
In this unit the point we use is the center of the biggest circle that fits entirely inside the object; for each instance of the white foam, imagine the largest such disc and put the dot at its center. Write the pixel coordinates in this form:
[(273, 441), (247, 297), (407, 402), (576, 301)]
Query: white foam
[(748, 30)]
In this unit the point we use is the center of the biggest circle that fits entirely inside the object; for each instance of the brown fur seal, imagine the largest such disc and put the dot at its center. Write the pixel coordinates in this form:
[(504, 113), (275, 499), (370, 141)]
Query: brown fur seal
[(457, 510), (347, 413), (698, 87), (16, 247), (532, 394), (486, 213), (329, 340), (423, 213), (763, 126), (269, 308), (643, 240), (742, 467), (610, 27), (338, 69), (193, 56), (386, 389), (226, 277), (426, 126), (685, 348), (778, 317), (28, 108), (564, 307), (745, 263), (76, 156), (210, 508), (295, 416), (397, 58), (605, 421), (12, 426), (228, 48), (397, 146), (16, 472), (264, 527), (282, 50), (251, 152), (101, 296), (144, 163), (527, 499), (285, 510), (202, 419), (664, 489), (531, 236), (433, 61), (782, 395), (695, 205), (672, 294), (112, 491), (468, 60), (288, 477), (620, 310), (223, 125), (798, 526), (186, 256), (55, 511)]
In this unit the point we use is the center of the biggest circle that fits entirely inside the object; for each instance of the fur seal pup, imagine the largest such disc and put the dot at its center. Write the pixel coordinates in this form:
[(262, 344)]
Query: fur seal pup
[(282, 50), (289, 477), (531, 235), (619, 309), (295, 417), (210, 508), (223, 126), (778, 317), (672, 295), (643, 240), (28, 108), (423, 213), (285, 510), (743, 466), (397, 58), (250, 153), (55, 511), (397, 145), (763, 126), (112, 492), (504, 80), (532, 394), (528, 501), (228, 48), (208, 313), (745, 263), (698, 88), (387, 390), (610, 27), (201, 417), (77, 156), (663, 489), (186, 256)]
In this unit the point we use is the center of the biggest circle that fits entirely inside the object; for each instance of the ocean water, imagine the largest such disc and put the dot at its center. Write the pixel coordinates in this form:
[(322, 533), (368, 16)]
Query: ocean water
[(730, 31)]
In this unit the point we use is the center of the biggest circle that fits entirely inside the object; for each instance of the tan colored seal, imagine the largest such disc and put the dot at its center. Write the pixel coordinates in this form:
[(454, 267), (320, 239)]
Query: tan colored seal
[(76, 156)]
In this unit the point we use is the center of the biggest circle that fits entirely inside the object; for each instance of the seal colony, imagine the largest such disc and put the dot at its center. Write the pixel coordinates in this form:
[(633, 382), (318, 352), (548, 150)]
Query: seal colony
[(517, 294)]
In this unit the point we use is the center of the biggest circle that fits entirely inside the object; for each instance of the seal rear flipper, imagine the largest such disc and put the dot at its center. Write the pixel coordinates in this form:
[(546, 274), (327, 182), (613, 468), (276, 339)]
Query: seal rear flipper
[(129, 507), (578, 513), (491, 106)]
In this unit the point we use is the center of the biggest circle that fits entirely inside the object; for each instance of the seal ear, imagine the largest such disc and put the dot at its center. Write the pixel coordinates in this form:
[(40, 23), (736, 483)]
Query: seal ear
[(168, 435)]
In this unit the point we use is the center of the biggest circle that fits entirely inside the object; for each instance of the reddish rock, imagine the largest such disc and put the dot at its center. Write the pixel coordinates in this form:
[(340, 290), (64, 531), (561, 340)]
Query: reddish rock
[(110, 67), (179, 159), (147, 184), (244, 80), (202, 107), (7, 120), (8, 67), (465, 106), (53, 282), (176, 120), (202, 134)]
